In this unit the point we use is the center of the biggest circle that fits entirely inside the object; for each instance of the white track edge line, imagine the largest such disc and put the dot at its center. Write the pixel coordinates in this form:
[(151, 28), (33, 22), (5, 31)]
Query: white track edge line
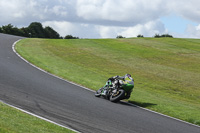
[(162, 114), (40, 117), (13, 47)]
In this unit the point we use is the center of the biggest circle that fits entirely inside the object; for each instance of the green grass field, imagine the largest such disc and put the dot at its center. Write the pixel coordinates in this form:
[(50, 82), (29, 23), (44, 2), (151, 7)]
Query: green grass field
[(166, 70)]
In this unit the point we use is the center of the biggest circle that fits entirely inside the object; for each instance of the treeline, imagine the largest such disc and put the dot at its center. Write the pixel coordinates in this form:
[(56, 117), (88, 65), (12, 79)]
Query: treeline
[(158, 36), (34, 30), (155, 36), (163, 35)]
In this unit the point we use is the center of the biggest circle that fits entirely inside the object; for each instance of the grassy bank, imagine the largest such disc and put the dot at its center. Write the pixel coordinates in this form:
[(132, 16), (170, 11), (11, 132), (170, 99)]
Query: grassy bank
[(15, 121), (166, 70)]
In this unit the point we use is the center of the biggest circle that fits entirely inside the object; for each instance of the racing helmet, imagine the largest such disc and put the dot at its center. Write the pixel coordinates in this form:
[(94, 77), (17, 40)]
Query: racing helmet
[(128, 75)]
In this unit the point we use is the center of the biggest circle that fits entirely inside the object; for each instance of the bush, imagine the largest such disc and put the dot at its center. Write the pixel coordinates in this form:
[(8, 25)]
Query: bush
[(164, 35), (140, 35), (70, 37), (120, 36), (156, 36)]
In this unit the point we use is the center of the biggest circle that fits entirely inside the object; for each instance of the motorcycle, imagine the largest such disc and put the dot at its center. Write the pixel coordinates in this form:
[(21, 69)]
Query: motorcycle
[(114, 90)]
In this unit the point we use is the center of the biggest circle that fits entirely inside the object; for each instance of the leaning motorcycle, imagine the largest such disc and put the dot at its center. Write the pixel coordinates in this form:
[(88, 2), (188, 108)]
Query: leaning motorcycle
[(114, 90)]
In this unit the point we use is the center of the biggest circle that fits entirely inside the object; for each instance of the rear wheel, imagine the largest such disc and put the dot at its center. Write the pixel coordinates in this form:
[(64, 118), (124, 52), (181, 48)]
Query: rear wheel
[(115, 97)]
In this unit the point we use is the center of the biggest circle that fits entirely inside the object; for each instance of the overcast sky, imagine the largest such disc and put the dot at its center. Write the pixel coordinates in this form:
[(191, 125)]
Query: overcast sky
[(106, 18)]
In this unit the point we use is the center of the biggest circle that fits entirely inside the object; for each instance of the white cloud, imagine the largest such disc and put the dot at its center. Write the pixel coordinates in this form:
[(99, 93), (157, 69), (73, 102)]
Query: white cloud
[(20, 11), (59, 10), (100, 18), (148, 29), (63, 27), (193, 31), (76, 29), (187, 9), (107, 31), (7, 10), (94, 31), (126, 12)]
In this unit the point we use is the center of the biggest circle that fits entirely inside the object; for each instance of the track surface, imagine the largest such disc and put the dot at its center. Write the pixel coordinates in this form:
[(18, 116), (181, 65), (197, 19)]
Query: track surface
[(35, 91)]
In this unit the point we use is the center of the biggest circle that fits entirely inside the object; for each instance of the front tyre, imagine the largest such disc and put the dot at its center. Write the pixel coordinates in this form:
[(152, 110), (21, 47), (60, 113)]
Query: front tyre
[(115, 97), (98, 93)]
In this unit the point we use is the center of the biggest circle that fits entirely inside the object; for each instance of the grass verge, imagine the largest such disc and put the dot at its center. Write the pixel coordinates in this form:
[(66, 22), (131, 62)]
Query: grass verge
[(15, 121), (166, 70)]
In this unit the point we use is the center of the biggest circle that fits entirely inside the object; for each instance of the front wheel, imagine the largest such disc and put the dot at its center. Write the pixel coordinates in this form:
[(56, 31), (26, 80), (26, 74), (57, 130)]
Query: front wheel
[(98, 93), (115, 97)]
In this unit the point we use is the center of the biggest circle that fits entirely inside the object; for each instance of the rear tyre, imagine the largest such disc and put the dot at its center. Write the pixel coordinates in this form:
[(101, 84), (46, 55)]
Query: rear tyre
[(116, 97)]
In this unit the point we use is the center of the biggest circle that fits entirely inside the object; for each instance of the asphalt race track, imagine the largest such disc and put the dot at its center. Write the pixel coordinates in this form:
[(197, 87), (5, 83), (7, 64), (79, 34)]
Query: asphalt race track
[(28, 88)]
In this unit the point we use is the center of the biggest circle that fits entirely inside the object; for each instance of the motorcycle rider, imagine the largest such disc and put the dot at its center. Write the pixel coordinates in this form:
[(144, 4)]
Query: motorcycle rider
[(123, 80), (127, 79)]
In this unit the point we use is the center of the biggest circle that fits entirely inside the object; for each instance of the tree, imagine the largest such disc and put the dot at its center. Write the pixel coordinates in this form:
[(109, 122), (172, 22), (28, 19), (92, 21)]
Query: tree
[(163, 35), (156, 36), (7, 29), (26, 32), (166, 35), (120, 36), (36, 30), (140, 35), (1, 31), (70, 37), (10, 29), (51, 33)]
